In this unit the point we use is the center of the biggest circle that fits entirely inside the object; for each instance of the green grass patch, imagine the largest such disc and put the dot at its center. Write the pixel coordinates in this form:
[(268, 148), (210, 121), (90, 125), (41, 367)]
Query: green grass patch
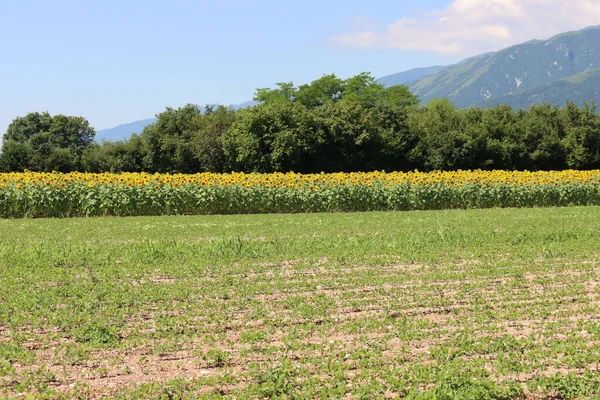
[(480, 304)]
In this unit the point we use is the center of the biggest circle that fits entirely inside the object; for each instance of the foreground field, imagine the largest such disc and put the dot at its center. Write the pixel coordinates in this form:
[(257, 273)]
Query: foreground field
[(31, 194), (440, 304)]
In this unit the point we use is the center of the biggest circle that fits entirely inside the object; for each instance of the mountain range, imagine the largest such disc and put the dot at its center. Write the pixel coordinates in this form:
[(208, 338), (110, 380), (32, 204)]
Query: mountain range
[(563, 68), (522, 72)]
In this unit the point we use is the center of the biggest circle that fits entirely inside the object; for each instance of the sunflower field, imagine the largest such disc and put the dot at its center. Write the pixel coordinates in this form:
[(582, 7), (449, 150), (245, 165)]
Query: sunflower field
[(52, 194)]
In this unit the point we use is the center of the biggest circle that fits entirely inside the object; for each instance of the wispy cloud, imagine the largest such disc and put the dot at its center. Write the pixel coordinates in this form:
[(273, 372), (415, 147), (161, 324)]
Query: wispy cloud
[(468, 27)]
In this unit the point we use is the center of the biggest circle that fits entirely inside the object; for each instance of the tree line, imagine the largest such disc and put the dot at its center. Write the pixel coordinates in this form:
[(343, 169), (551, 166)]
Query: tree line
[(328, 125)]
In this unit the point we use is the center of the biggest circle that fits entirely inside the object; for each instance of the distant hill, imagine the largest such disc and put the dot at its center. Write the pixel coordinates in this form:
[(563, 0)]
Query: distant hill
[(495, 77), (410, 76), (123, 131), (245, 105)]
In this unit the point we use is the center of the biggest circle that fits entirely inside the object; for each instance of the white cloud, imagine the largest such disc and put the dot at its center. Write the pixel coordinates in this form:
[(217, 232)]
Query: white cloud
[(468, 27)]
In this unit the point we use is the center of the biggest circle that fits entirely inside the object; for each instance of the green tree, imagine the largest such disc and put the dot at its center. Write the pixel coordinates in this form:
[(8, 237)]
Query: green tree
[(119, 156), (393, 142), (542, 134), (167, 141), (442, 144), (270, 137), (503, 148), (582, 136), (347, 136), (399, 96), (364, 89), (321, 91), (207, 139), (285, 91), (41, 142), (15, 156), (23, 128)]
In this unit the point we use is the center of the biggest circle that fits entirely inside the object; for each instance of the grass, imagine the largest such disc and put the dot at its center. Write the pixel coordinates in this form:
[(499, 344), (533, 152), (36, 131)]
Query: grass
[(481, 304)]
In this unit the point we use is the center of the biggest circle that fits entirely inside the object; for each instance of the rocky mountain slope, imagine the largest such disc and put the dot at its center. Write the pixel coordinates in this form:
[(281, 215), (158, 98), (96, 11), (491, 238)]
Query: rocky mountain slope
[(496, 77)]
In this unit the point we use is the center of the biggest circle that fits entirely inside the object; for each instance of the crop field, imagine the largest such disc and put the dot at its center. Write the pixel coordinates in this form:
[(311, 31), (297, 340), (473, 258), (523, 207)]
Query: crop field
[(31, 194), (469, 304)]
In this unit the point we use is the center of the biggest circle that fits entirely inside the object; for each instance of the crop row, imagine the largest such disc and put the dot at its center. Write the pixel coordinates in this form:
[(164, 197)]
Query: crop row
[(30, 194)]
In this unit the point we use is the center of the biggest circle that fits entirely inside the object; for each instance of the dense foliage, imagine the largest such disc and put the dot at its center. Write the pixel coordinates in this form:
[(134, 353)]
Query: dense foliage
[(44, 143), (330, 125), (77, 194)]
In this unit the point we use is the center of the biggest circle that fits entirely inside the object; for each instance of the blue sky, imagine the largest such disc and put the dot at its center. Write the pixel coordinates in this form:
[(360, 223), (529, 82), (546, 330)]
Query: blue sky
[(120, 61)]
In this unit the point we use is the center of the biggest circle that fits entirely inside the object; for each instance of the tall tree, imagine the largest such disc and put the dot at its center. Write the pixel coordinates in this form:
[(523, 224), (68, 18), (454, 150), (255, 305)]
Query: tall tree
[(167, 141), (321, 91), (285, 91), (207, 139), (41, 142)]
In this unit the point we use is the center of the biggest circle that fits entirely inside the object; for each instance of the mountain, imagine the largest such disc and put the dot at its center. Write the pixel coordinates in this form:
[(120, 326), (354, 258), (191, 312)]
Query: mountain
[(410, 76), (123, 131), (579, 88), (495, 77)]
